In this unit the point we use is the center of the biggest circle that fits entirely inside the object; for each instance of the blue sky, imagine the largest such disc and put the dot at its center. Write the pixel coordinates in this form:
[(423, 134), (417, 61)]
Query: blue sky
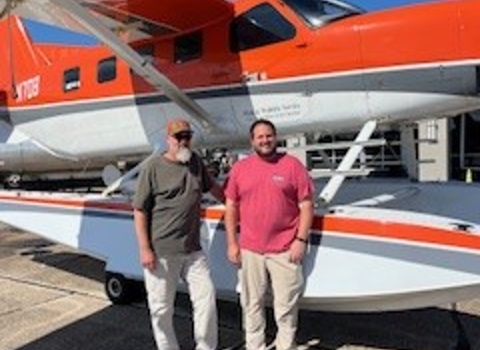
[(372, 5)]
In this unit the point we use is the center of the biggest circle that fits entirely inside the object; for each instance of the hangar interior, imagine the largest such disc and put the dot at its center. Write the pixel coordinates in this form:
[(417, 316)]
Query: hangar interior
[(431, 150)]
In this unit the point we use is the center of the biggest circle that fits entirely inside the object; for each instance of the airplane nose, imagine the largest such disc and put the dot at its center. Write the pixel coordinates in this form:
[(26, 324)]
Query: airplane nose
[(423, 33), (410, 61), (469, 28), (469, 34)]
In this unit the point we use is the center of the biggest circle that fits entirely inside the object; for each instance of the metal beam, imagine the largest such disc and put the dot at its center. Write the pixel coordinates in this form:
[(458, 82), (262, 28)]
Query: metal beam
[(333, 185)]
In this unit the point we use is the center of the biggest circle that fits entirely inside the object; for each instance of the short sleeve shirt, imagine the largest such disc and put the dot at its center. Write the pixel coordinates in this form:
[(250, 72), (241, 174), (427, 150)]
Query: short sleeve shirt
[(268, 194), (170, 193)]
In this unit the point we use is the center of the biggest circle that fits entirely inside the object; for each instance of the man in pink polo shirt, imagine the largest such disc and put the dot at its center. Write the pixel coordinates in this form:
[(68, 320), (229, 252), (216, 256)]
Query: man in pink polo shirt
[(270, 195)]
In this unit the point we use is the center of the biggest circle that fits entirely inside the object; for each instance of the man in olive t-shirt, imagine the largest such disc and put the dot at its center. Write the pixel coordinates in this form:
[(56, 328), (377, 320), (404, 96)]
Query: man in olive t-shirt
[(167, 224)]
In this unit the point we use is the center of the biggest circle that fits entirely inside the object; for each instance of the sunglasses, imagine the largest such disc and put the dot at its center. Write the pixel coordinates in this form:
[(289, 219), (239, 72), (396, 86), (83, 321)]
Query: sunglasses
[(183, 136)]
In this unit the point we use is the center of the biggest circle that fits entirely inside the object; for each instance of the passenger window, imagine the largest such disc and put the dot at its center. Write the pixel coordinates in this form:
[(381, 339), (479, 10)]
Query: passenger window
[(147, 52), (260, 26), (188, 47), (71, 79), (107, 70)]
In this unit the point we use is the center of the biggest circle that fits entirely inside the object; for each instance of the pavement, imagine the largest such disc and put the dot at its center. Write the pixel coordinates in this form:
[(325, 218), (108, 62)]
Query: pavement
[(52, 298)]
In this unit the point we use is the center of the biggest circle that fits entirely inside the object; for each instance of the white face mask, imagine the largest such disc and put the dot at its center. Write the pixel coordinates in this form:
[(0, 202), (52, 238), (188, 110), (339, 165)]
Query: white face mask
[(183, 154)]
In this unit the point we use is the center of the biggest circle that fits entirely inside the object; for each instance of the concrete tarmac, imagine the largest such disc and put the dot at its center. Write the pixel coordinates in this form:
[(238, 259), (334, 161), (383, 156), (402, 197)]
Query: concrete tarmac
[(52, 298)]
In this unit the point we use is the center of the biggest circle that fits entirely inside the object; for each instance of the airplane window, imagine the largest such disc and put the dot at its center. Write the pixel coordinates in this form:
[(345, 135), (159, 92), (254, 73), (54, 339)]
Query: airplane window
[(147, 52), (260, 26), (188, 47), (71, 79), (107, 70), (318, 12)]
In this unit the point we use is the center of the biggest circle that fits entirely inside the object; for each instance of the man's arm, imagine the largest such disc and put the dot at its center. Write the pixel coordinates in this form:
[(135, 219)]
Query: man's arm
[(231, 224), (299, 245), (211, 185), (306, 218), (147, 256)]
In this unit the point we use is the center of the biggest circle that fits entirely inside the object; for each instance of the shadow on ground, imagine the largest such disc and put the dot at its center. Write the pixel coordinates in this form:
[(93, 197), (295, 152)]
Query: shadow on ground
[(128, 328)]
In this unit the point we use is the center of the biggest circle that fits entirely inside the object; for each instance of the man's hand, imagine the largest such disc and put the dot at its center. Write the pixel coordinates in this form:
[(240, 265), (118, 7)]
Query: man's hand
[(234, 256), (297, 251), (148, 259)]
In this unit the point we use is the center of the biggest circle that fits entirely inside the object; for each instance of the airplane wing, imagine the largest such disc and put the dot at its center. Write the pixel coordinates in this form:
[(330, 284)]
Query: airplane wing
[(132, 20), (102, 18)]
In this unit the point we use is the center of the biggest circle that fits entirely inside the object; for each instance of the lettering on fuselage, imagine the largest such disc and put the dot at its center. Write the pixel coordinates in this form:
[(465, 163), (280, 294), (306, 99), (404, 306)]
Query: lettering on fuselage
[(28, 89), (276, 111)]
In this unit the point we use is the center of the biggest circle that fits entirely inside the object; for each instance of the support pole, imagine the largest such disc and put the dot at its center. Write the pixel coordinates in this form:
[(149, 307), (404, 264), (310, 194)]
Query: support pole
[(333, 185)]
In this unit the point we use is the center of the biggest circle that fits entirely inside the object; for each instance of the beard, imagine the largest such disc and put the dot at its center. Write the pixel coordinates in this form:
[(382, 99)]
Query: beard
[(265, 155), (183, 154)]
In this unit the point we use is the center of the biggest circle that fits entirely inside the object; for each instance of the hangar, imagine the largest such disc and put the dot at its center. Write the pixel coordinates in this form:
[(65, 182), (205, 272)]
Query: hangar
[(431, 150)]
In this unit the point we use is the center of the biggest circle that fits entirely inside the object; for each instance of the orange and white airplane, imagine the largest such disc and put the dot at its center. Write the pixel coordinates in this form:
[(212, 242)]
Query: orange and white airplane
[(307, 65)]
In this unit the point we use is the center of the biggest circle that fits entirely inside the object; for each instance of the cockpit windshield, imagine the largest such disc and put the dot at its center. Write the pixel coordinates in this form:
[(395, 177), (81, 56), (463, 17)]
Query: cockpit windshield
[(319, 12)]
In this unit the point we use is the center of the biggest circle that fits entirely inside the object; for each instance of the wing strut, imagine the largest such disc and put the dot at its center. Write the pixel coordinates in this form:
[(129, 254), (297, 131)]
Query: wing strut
[(139, 64), (128, 175), (333, 185)]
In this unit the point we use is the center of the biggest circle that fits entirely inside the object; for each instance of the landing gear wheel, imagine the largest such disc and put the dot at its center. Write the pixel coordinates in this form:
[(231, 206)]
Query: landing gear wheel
[(119, 289)]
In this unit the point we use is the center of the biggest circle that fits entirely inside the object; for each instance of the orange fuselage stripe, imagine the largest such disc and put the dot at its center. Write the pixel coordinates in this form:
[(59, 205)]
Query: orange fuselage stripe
[(368, 228)]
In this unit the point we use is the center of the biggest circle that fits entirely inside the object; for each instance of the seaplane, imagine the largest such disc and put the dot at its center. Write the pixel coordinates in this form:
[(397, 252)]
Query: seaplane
[(309, 66)]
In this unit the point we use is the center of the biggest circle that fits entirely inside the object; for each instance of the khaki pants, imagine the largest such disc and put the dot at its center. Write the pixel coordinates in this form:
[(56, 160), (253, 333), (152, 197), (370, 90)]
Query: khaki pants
[(161, 286), (286, 280)]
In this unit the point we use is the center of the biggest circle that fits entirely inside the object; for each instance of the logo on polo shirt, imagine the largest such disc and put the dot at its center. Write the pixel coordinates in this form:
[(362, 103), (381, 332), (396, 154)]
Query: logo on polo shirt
[(278, 179)]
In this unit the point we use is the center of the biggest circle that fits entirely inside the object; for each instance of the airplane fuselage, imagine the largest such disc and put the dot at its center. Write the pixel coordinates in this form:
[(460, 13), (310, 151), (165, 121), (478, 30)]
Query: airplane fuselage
[(393, 66)]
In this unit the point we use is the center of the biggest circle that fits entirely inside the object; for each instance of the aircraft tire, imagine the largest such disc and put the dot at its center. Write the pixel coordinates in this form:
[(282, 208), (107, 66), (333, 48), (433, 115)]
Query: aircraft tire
[(119, 290)]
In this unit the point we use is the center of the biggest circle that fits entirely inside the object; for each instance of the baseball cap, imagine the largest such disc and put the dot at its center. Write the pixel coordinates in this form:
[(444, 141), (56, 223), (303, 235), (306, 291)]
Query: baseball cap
[(175, 126)]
